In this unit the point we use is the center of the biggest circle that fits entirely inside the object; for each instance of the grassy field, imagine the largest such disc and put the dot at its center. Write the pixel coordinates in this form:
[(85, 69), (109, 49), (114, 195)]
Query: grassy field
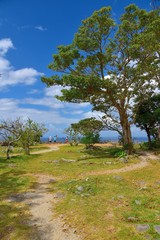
[(102, 207)]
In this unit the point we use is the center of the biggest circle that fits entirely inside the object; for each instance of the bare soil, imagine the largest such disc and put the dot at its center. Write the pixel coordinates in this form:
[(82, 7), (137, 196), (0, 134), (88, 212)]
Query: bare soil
[(41, 204)]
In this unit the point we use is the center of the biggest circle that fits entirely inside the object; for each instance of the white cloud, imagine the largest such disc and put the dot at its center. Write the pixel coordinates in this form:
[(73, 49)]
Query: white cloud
[(40, 28), (34, 91), (54, 90), (51, 116), (46, 101), (5, 44), (8, 75)]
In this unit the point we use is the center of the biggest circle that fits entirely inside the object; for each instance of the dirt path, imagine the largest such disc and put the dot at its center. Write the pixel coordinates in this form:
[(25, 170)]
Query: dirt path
[(41, 204), (144, 163), (129, 168), (51, 148)]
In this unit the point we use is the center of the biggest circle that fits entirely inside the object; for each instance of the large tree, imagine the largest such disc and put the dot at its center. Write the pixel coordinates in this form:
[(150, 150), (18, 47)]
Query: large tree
[(106, 64)]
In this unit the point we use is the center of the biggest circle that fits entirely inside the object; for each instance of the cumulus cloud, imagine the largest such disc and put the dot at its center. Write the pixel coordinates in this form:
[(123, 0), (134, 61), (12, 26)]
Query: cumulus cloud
[(50, 116), (5, 44), (8, 75), (54, 90)]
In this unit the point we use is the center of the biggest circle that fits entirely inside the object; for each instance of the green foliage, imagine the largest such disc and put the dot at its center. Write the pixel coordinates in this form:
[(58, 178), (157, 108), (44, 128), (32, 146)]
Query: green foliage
[(155, 144), (147, 115), (121, 154), (89, 128), (90, 138), (30, 133), (110, 72), (73, 136)]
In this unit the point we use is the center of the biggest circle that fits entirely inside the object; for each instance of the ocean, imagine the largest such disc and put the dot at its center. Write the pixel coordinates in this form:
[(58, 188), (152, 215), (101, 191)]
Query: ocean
[(102, 139)]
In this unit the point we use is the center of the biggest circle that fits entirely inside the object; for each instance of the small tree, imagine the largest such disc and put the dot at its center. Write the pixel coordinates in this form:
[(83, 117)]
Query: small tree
[(10, 133), (89, 128), (73, 136), (147, 115), (31, 133)]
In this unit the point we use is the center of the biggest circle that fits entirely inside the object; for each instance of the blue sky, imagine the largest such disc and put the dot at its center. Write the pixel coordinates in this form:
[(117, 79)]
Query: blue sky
[(30, 31)]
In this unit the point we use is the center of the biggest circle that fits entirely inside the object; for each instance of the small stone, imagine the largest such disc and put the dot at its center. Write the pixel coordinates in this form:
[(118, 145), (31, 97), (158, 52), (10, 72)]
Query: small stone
[(142, 227), (142, 184), (118, 178), (124, 160), (157, 182), (80, 188), (132, 219), (56, 161), (59, 195), (157, 228), (52, 181), (47, 161), (120, 196), (12, 165), (137, 202), (148, 237)]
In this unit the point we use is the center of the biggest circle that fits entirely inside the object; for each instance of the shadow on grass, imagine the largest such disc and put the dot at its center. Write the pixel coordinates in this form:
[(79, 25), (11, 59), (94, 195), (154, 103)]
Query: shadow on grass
[(99, 152), (14, 215), (15, 221)]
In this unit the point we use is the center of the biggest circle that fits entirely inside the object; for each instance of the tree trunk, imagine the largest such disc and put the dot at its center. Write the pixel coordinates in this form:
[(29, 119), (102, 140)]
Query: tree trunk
[(8, 151), (126, 129), (149, 137), (159, 133), (27, 150)]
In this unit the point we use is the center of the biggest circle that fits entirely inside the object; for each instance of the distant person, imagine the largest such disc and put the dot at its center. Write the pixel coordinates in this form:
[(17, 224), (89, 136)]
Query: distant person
[(55, 138), (50, 139), (66, 141)]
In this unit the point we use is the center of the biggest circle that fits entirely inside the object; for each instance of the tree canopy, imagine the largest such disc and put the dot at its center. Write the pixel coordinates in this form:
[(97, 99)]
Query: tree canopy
[(108, 64), (147, 115)]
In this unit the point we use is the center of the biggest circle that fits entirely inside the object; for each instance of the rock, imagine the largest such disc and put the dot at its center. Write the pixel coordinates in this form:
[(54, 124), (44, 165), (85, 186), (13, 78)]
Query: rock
[(12, 165), (56, 161), (157, 228), (80, 188), (142, 184), (137, 202), (118, 178), (124, 160), (68, 160), (132, 219), (59, 195), (142, 227), (120, 196), (52, 181), (157, 182), (148, 237)]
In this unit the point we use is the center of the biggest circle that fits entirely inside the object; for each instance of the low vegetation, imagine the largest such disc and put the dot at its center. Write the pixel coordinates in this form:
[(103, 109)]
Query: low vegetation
[(101, 207)]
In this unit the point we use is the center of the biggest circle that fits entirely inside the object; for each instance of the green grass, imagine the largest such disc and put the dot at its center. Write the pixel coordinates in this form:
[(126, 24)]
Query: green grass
[(100, 207)]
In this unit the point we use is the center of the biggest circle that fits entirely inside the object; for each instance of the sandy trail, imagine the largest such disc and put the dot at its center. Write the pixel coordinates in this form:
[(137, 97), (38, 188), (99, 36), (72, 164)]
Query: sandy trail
[(41, 204), (130, 168), (51, 148)]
